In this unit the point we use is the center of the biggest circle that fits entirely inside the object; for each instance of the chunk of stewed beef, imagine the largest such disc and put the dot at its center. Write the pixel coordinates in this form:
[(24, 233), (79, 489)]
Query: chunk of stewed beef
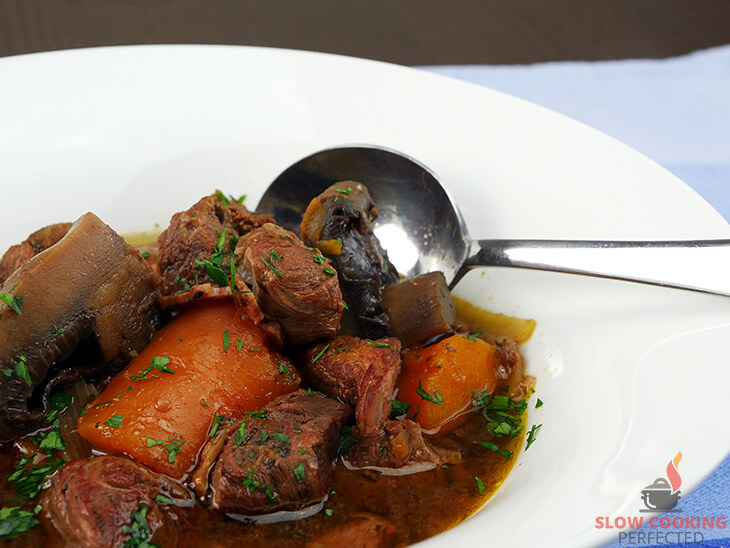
[(358, 371), (209, 230), (96, 502), (281, 458), (294, 285), (396, 449)]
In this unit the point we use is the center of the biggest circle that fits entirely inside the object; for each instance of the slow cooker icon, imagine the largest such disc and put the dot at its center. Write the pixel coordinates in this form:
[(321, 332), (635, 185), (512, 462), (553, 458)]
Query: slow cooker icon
[(658, 497)]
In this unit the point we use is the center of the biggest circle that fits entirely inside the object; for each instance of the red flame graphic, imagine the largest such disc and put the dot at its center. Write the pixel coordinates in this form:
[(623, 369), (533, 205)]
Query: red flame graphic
[(673, 474)]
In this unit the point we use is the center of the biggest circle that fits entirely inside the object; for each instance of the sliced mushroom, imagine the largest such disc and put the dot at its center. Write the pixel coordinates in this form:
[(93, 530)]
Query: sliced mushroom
[(338, 222), (90, 290)]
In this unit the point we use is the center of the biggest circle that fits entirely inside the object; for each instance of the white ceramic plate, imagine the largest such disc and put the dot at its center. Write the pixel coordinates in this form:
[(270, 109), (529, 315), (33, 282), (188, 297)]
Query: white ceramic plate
[(629, 374)]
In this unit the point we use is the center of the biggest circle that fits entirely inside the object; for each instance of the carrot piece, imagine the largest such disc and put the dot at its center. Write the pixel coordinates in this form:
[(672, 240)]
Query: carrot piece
[(160, 412), (438, 380)]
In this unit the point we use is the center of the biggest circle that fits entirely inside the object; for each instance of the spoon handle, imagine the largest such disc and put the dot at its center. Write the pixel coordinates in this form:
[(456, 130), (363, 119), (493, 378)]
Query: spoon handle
[(699, 265)]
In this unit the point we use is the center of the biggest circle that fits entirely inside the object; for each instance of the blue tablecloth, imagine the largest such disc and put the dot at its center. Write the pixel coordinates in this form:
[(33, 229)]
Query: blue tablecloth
[(675, 111)]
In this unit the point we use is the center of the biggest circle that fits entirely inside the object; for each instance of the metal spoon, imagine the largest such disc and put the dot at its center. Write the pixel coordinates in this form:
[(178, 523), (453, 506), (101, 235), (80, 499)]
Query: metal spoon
[(422, 229)]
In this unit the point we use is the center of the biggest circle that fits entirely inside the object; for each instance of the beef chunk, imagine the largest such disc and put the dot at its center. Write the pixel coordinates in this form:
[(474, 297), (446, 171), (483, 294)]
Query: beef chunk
[(91, 502), (358, 371), (364, 531), (90, 289), (39, 241), (294, 285), (399, 448), (194, 235), (283, 460), (338, 221)]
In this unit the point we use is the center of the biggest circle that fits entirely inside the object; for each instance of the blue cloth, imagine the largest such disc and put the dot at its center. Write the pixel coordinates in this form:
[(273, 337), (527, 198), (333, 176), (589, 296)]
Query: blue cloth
[(675, 111)]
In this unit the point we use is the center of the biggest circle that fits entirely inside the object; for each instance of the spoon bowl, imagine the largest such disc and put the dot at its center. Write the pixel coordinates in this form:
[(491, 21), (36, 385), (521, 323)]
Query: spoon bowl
[(422, 229)]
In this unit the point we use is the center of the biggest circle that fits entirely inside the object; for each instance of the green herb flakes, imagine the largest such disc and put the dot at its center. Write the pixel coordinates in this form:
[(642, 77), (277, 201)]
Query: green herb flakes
[(172, 446), (428, 397), (162, 499), (21, 370), (532, 435), (226, 340), (115, 421), (400, 407), (321, 353), (14, 302), (278, 436), (480, 485), (241, 434), (300, 472), (271, 267), (139, 531), (14, 521)]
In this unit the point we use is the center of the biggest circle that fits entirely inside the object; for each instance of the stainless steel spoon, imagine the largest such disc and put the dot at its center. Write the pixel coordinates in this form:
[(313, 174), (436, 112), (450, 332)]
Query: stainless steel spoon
[(422, 229)]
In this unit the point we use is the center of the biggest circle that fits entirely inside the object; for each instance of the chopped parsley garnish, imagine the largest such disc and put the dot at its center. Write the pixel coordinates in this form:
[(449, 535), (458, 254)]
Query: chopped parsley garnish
[(162, 499), (249, 482), (274, 254), (159, 363), (344, 191), (52, 440), (145, 254), (538, 403), (317, 258), (400, 407), (203, 403), (21, 369), (241, 434), (303, 451), (226, 200), (216, 425), (271, 267), (340, 349), (260, 414), (58, 402), (57, 331), (480, 485), (321, 353), (346, 442), (473, 336), (29, 478), (428, 397), (139, 531), (15, 302), (311, 392), (532, 435), (344, 305), (300, 472), (239, 344), (504, 416), (328, 512), (264, 436), (494, 447), (213, 271), (330, 271), (115, 421), (278, 436), (378, 344), (14, 521), (284, 369), (226, 340), (172, 446)]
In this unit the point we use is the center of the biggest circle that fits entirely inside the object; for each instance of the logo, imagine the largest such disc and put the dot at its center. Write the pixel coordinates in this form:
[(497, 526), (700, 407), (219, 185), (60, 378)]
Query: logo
[(662, 497), (664, 494)]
